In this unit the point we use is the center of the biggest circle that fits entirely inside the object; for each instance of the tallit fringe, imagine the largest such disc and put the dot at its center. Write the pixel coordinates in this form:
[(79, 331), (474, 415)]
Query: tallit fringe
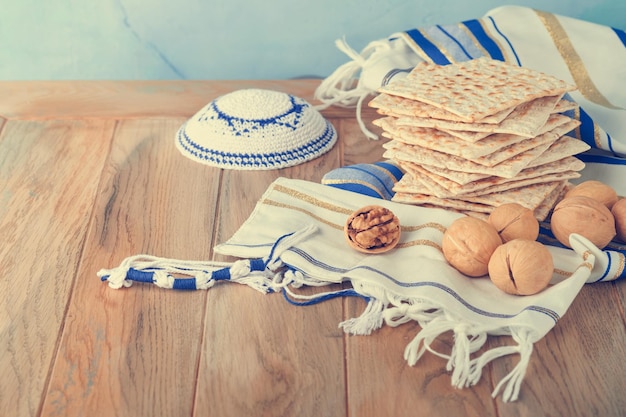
[(466, 368), (468, 339), (345, 87), (371, 319), (264, 275)]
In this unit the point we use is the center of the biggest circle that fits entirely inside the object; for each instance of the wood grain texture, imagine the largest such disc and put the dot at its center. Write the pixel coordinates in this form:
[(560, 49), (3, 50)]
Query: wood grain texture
[(136, 352), (89, 174), (263, 356), (575, 364), (141, 99), (46, 198)]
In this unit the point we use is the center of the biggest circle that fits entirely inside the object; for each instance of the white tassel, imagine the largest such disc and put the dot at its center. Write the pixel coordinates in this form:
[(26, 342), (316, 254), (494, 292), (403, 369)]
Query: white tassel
[(344, 87), (459, 361), (351, 83), (513, 380), (371, 319)]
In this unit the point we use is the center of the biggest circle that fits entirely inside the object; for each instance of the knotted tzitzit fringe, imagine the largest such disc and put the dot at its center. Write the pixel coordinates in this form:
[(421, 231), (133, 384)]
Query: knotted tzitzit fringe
[(344, 87), (377, 64), (264, 275)]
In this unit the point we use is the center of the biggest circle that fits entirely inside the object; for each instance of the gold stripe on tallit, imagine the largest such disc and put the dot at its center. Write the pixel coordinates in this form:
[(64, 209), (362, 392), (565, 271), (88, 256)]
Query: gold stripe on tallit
[(506, 56), (311, 200), (586, 265), (596, 136), (561, 272), (577, 117), (442, 50), (301, 210), (573, 61), (384, 171), (620, 269), (418, 49), (471, 36), (424, 242)]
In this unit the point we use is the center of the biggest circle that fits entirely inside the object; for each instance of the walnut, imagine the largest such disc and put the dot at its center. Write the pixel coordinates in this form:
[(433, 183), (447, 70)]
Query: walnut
[(372, 229), (468, 244), (619, 212), (584, 216), (597, 190), (521, 267), (514, 221)]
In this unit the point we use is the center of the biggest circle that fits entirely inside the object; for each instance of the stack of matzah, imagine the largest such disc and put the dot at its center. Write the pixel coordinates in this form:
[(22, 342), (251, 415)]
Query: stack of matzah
[(478, 134)]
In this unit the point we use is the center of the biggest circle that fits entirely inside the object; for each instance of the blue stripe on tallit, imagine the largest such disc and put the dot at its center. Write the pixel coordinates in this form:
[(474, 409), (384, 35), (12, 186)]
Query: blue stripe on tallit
[(595, 158), (393, 169), (484, 39), (453, 39), (587, 131), (375, 180), (493, 22), (609, 141), (428, 47)]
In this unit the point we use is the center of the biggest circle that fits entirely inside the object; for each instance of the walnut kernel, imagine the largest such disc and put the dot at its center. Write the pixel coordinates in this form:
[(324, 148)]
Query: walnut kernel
[(584, 216), (372, 229), (468, 244), (514, 221), (521, 267)]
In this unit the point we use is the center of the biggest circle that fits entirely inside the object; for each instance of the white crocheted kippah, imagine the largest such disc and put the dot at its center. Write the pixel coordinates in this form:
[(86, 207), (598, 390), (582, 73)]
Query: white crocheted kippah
[(256, 129)]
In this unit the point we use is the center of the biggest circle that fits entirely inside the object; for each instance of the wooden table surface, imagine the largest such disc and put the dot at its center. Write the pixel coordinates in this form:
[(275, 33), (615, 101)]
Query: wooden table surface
[(89, 174)]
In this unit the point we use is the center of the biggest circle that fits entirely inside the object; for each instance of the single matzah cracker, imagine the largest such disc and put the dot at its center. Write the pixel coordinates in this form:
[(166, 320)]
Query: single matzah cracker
[(564, 146), (397, 106), (565, 105), (530, 196), (476, 88)]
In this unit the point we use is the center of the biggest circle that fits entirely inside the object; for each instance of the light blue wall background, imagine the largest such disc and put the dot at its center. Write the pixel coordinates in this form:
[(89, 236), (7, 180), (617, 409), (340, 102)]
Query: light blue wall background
[(223, 39)]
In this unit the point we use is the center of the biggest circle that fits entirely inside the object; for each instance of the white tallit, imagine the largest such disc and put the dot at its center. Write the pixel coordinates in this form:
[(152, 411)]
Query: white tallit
[(588, 55), (294, 237)]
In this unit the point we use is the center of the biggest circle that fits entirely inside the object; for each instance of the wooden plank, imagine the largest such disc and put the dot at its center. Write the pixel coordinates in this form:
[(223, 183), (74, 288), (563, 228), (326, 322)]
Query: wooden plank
[(358, 148), (46, 198), (134, 351), (620, 298), (578, 368), (262, 356), (141, 99)]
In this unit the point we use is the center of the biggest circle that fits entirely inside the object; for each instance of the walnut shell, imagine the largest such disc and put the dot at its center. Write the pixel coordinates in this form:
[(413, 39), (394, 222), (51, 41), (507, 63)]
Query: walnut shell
[(372, 229), (514, 221), (521, 267), (585, 216), (595, 189), (619, 213), (468, 244)]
